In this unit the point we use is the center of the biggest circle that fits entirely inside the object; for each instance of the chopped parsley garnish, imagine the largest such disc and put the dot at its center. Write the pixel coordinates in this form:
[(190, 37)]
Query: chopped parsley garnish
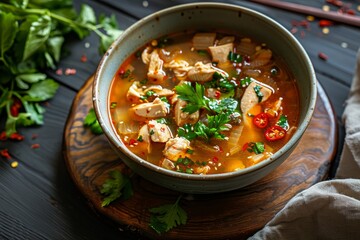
[(189, 151), (151, 132), (256, 147), (216, 124), (245, 82), (163, 120), (222, 83), (91, 121), (194, 96), (234, 57), (126, 74), (144, 81), (259, 94), (283, 122), (224, 105), (113, 105), (118, 185), (140, 138), (166, 217)]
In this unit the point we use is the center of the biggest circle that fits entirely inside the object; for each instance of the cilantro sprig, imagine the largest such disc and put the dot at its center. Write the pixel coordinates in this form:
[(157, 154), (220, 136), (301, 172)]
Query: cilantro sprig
[(118, 185), (168, 216), (31, 39)]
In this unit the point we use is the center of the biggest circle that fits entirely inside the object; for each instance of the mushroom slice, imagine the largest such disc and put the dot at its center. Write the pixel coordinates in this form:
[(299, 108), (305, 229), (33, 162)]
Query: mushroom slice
[(183, 117), (155, 109), (202, 41), (220, 53), (201, 72), (155, 71), (135, 92), (176, 148), (159, 132), (250, 98)]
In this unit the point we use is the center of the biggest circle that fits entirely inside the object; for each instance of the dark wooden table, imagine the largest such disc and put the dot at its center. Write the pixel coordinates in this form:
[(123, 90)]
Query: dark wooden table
[(38, 199)]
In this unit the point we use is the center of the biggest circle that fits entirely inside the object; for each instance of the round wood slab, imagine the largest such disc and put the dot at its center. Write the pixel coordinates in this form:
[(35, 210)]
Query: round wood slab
[(232, 215)]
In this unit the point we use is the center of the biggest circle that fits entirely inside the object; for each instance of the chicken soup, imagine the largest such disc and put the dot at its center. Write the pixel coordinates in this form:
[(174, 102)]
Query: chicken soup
[(204, 103)]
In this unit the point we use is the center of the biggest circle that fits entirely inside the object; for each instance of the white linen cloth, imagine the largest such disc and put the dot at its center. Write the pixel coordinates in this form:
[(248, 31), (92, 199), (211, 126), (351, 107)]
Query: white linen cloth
[(329, 209)]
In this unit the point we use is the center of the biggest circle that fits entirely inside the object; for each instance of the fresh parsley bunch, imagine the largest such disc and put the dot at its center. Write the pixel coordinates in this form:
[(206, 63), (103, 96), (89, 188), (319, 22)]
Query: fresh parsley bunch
[(32, 33)]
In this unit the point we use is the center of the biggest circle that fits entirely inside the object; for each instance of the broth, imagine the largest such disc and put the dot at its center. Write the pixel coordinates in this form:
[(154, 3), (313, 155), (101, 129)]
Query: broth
[(204, 103)]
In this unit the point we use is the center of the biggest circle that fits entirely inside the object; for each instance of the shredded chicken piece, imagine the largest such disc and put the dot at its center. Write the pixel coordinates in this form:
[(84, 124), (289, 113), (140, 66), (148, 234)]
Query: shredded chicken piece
[(220, 53), (202, 41), (176, 148), (155, 109), (201, 72), (179, 67), (145, 136), (250, 99), (183, 117), (159, 132), (155, 71), (145, 55), (135, 92)]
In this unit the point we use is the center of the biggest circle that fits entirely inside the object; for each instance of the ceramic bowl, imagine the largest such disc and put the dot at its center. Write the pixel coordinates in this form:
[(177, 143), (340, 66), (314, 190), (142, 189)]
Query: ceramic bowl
[(202, 16)]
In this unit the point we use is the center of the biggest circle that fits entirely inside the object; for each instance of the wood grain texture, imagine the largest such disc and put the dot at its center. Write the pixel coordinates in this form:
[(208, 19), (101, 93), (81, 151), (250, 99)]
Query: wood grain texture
[(235, 214)]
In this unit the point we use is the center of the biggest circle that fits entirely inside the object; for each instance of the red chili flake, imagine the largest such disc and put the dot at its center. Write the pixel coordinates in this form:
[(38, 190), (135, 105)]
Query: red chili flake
[(302, 23), (247, 58), (16, 136), (351, 12), (83, 58), (5, 154), (325, 23), (132, 141), (59, 72), (221, 149), (34, 136), (215, 159), (3, 136), (217, 94), (70, 71), (302, 34), (35, 145), (121, 71), (245, 147), (336, 3), (15, 107), (323, 56)]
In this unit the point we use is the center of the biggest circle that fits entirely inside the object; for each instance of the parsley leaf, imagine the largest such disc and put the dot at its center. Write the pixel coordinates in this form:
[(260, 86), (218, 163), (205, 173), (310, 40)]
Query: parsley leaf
[(195, 97), (166, 217), (259, 94), (226, 105), (116, 186), (283, 122), (91, 121), (234, 57)]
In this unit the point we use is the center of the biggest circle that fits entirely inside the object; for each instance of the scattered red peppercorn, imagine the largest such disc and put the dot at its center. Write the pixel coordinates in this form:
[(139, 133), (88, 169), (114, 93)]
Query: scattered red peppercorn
[(35, 145), (59, 72), (3, 136), (16, 136), (4, 153), (83, 58), (325, 23), (323, 56), (336, 3), (70, 71)]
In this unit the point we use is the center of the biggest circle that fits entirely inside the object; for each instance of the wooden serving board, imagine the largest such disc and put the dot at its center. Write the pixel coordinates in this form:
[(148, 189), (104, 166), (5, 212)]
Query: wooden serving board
[(232, 215)]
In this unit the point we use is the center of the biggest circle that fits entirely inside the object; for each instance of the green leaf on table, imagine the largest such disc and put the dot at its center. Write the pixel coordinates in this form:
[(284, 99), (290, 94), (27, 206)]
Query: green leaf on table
[(35, 112), (54, 45), (118, 185), (23, 119), (91, 121), (22, 80), (166, 217), (112, 31), (38, 34), (9, 27), (42, 90)]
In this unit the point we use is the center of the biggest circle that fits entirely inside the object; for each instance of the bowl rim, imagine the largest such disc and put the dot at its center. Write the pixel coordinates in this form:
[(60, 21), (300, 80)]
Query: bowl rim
[(217, 176)]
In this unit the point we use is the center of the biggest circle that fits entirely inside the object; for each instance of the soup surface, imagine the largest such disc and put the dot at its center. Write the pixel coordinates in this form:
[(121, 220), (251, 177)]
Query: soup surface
[(204, 103)]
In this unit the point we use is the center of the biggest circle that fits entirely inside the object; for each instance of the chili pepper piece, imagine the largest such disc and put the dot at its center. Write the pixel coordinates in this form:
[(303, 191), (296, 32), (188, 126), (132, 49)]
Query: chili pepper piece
[(275, 133), (261, 120)]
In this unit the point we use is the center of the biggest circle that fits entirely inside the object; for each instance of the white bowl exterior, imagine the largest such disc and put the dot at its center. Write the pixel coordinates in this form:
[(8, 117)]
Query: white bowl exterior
[(205, 17)]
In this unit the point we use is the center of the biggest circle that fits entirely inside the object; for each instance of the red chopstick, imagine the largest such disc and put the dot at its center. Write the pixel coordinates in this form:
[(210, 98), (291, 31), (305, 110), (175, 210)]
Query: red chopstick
[(316, 12)]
